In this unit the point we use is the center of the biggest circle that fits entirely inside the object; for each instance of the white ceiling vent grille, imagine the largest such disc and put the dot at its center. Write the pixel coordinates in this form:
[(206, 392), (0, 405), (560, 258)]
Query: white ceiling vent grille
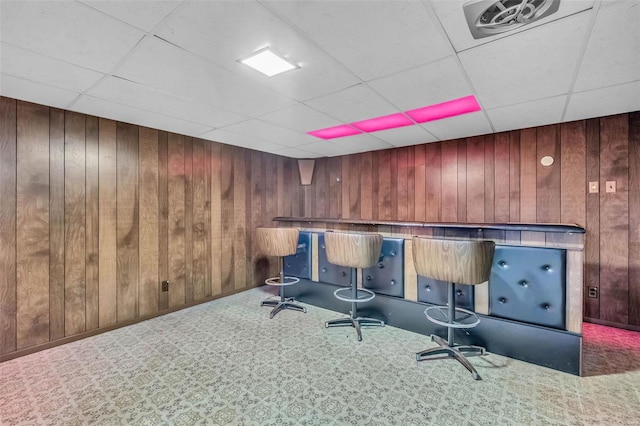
[(490, 17)]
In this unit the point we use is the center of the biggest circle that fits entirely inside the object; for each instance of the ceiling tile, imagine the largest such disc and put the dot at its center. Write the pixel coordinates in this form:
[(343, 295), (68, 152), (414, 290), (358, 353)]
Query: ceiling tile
[(237, 29), (404, 136), (353, 104), (69, 31), (135, 95), (188, 76), (295, 153), (436, 82), (613, 52), (459, 126), (26, 90), (361, 143), (372, 39), (271, 133), (529, 114), (534, 64), (300, 117), (35, 67), (101, 108), (452, 16), (142, 14), (231, 138), (328, 148), (605, 101)]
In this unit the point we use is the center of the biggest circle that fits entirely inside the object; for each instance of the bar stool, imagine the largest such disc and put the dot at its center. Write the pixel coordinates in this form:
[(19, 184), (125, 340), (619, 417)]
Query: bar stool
[(356, 251), (279, 242), (456, 262)]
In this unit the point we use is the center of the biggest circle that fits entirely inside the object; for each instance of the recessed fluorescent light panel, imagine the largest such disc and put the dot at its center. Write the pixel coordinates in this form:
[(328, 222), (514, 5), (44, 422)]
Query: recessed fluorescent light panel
[(268, 63), (408, 118)]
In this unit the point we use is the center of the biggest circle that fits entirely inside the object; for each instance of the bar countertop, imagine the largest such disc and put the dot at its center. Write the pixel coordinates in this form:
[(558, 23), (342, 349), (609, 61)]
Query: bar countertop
[(509, 226)]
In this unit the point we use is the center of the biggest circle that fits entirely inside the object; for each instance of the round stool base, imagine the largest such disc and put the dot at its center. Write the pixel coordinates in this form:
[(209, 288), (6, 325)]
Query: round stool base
[(451, 323), (356, 323), (369, 295), (281, 305), (276, 281)]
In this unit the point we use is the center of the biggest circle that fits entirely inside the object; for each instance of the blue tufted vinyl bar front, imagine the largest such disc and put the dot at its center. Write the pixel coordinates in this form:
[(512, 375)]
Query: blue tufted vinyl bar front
[(531, 308)]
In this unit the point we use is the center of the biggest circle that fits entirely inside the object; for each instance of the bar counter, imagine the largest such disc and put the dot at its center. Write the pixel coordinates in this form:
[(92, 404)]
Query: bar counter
[(531, 307)]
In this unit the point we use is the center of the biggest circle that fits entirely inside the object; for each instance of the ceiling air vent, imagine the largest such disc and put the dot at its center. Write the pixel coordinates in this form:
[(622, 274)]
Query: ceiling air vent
[(490, 17)]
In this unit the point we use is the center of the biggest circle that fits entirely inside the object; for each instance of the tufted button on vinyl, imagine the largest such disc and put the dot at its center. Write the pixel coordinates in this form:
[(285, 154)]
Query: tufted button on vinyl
[(524, 283), (323, 246), (369, 277), (380, 265), (343, 273), (502, 263), (546, 306), (288, 265), (393, 282), (428, 288), (502, 300), (547, 267), (459, 293), (324, 269), (392, 254)]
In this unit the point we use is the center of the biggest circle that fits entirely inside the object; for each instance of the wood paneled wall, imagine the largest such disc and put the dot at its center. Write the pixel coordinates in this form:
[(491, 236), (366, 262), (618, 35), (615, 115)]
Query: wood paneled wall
[(499, 178), (94, 214)]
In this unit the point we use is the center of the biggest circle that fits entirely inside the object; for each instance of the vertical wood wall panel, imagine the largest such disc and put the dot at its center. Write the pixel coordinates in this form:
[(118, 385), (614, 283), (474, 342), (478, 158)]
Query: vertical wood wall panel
[(403, 184), (384, 184), (502, 177), (634, 218), (489, 179), (528, 178), (239, 232), (573, 176), (548, 177), (207, 218), (8, 225), (199, 240), (614, 219), (176, 197), (449, 171), (514, 176), (227, 263), (420, 212), (74, 217), (32, 225), (354, 187), (592, 237), (127, 274), (92, 230), (148, 221), (56, 224), (434, 189), (366, 186), (163, 217), (107, 223), (475, 179), (216, 220), (188, 219)]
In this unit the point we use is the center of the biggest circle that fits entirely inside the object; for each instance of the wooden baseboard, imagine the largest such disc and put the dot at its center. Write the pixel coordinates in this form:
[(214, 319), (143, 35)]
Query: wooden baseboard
[(613, 324), (65, 340)]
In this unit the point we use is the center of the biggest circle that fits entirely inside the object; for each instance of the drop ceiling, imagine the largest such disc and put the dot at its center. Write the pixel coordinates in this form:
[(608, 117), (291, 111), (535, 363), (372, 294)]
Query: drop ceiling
[(172, 65)]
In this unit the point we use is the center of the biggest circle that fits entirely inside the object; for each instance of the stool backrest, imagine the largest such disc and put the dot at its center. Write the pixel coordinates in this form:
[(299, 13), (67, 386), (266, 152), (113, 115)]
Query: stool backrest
[(361, 250), (277, 241), (455, 261)]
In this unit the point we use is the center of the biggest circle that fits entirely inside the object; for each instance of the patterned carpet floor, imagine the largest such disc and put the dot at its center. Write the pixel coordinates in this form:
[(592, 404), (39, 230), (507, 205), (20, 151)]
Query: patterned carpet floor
[(224, 362)]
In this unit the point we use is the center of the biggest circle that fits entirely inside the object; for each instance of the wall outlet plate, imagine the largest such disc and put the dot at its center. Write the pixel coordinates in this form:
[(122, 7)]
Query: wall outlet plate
[(593, 187), (611, 186), (165, 285)]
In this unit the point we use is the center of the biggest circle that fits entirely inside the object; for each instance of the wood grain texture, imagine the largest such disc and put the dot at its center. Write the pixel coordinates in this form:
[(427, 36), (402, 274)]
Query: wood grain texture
[(548, 177), (575, 296), (462, 180), (514, 176), (199, 239), (227, 262), (475, 179), (163, 218), (411, 183), (188, 219), (56, 224), (32, 225), (92, 229), (449, 173), (8, 123), (107, 223), (74, 217), (321, 186), (334, 172), (592, 236), (239, 231), (634, 218), (502, 177), (277, 241), (176, 196), (127, 255), (207, 217), (410, 274), (403, 184), (354, 250), (420, 212), (384, 185), (528, 176), (366, 185), (216, 219), (148, 221), (434, 184), (258, 270), (460, 262), (573, 145), (354, 187), (393, 188), (614, 219), (489, 178)]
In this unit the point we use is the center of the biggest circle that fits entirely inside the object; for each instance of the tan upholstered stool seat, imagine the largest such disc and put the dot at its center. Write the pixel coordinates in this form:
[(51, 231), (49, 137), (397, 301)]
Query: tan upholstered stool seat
[(279, 242), (456, 262), (356, 251)]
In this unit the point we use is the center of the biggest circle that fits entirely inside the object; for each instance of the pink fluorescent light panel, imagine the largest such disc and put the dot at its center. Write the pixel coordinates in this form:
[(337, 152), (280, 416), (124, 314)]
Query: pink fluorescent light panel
[(383, 123), (444, 110), (335, 132), (421, 115)]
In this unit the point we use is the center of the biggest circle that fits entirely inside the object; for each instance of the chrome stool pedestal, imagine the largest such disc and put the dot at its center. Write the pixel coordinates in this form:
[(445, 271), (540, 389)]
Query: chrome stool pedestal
[(285, 302)]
